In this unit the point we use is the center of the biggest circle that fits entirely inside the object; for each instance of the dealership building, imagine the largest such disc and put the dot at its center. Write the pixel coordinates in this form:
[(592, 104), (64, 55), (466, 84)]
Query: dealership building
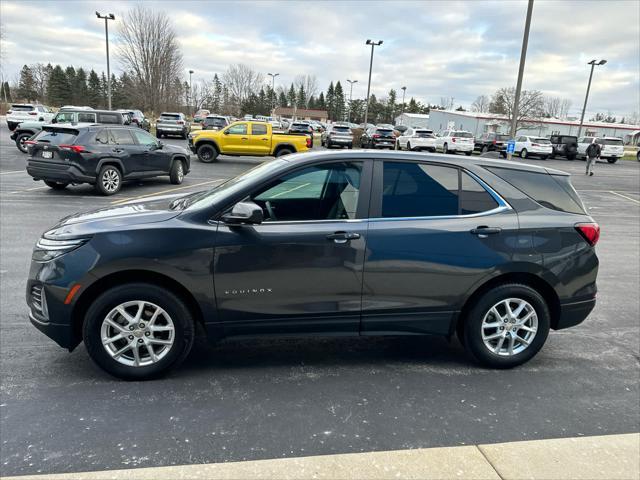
[(479, 123)]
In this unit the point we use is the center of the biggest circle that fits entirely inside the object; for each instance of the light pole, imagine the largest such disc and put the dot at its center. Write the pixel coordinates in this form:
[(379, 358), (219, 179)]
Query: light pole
[(523, 57), (404, 91), (366, 107), (586, 97), (273, 91), (190, 91), (107, 17), (351, 82)]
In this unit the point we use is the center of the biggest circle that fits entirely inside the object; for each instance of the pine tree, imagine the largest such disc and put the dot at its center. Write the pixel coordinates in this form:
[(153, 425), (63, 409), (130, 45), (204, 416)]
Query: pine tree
[(321, 105), (70, 73), (94, 89), (291, 97), (26, 84), (216, 101), (413, 106), (58, 89), (79, 91), (282, 99), (330, 100), (103, 91), (339, 102), (391, 106), (301, 97)]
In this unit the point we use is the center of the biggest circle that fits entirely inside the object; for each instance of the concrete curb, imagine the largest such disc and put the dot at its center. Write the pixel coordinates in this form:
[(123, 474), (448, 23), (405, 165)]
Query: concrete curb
[(604, 457)]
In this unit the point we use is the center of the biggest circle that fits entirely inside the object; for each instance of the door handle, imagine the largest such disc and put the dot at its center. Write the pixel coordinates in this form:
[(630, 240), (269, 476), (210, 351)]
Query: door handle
[(265, 139), (117, 150), (245, 138), (484, 231), (343, 237)]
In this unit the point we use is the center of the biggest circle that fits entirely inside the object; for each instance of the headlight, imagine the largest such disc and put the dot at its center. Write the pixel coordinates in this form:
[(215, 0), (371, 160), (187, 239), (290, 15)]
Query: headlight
[(47, 249)]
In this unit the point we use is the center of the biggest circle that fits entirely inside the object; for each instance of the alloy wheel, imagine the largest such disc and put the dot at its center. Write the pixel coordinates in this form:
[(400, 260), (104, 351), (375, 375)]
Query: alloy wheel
[(509, 327), (137, 333), (110, 180), (180, 171)]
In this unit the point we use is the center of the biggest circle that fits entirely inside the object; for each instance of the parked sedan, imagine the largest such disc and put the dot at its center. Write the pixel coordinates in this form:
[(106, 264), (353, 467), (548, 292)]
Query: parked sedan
[(171, 123), (103, 156), (417, 139), (527, 146), (286, 248)]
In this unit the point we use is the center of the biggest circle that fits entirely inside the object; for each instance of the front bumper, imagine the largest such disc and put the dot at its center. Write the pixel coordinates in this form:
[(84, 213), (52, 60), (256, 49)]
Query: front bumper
[(57, 172)]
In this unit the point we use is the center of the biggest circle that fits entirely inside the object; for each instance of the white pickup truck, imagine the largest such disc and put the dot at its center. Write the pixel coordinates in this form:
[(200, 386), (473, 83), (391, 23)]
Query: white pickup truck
[(612, 148), (27, 112)]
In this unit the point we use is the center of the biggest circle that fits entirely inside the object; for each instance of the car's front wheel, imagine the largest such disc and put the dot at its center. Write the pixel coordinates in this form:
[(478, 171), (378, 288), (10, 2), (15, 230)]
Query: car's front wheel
[(507, 326), (523, 153), (138, 331), (177, 172), (207, 153)]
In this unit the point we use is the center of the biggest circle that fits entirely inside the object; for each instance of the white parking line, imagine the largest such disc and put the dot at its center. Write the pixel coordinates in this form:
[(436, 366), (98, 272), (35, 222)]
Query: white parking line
[(28, 190), (624, 196), (12, 171)]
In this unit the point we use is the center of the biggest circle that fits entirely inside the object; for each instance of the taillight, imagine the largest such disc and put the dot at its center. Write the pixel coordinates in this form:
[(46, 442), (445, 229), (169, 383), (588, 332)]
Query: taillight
[(9, 112), (180, 122), (29, 142), (308, 142), (535, 144), (376, 136), (74, 148), (33, 113), (589, 231), (453, 139)]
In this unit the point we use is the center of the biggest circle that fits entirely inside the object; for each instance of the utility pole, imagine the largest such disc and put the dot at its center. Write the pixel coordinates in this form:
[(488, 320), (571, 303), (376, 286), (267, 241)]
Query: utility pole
[(523, 57), (586, 97), (404, 91), (351, 82), (191, 95), (273, 91), (366, 107), (109, 16)]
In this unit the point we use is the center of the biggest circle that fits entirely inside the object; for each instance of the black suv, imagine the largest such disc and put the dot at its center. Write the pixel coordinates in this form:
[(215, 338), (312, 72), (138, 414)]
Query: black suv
[(377, 137), (564, 146), (491, 142), (102, 156), (326, 243)]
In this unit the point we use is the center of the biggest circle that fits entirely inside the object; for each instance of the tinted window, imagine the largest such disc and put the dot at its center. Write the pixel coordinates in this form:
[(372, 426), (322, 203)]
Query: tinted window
[(462, 134), (258, 129), (57, 137), (473, 197), (22, 108), (341, 130), (87, 117), (504, 138), (122, 136), (102, 136), (544, 141), (419, 190), (65, 117), (144, 138), (216, 122), (609, 141), (109, 118), (239, 129), (384, 131), (551, 191), (321, 192), (170, 116)]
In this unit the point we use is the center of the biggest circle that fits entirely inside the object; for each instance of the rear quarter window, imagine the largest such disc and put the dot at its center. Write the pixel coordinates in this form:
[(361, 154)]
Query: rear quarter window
[(550, 191)]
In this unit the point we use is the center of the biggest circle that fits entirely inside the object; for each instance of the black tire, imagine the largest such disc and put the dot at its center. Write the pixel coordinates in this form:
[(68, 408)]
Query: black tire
[(207, 153), (571, 157), (484, 149), (473, 325), (283, 151), (552, 156), (176, 175), (468, 154), (445, 149), (178, 312), (184, 135), (612, 160), (409, 146), (523, 153), (56, 185), (20, 139), (503, 154), (109, 181), (158, 134), (544, 157)]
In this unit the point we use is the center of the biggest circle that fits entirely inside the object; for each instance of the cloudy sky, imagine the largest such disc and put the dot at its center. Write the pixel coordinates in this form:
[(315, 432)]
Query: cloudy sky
[(436, 49)]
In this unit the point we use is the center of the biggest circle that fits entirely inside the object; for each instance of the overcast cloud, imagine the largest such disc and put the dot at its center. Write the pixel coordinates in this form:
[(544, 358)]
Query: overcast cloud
[(436, 49)]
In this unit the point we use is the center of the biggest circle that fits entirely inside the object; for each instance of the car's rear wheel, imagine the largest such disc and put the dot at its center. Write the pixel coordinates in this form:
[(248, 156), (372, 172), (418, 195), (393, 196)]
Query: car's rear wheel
[(138, 331), (109, 180), (523, 153), (176, 175), (158, 134), (283, 151), (56, 185), (445, 148), (507, 326), (612, 160), (468, 154), (20, 139), (409, 146), (207, 153)]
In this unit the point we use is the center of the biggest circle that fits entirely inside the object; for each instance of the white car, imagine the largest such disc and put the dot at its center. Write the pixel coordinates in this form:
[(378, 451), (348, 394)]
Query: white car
[(27, 112), (527, 146), (612, 148), (417, 139), (453, 141)]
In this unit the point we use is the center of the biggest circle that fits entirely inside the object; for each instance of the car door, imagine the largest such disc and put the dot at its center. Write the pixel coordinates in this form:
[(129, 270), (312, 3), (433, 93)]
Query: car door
[(235, 138), (435, 232), (300, 270), (127, 150), (155, 159), (259, 140)]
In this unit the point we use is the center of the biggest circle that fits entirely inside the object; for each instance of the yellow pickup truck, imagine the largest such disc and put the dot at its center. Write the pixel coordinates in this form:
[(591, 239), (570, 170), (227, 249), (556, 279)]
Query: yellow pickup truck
[(245, 138)]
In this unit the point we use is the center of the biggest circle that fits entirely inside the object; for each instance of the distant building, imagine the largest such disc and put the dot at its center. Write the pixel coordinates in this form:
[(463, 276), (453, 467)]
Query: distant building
[(479, 123), (301, 114), (413, 120)]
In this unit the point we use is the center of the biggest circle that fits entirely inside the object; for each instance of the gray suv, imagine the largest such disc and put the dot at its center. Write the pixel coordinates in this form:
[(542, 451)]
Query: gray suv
[(172, 123)]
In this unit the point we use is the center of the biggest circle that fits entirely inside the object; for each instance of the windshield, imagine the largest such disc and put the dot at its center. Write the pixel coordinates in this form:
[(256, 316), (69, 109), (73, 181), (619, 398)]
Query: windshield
[(609, 141), (235, 184), (546, 141), (462, 135)]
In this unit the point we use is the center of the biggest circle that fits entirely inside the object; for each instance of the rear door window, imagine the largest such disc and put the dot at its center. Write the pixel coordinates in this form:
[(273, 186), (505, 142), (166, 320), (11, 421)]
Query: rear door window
[(144, 138), (258, 129), (86, 117), (122, 136), (551, 191)]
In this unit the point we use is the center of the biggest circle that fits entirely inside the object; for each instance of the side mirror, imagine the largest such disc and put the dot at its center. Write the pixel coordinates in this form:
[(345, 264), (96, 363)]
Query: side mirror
[(244, 213), (226, 132), (53, 120), (159, 145)]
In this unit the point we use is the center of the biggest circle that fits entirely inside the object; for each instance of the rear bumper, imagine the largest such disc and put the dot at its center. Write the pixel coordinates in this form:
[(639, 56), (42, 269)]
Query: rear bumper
[(57, 173), (170, 128), (574, 313), (391, 143), (460, 147), (340, 141)]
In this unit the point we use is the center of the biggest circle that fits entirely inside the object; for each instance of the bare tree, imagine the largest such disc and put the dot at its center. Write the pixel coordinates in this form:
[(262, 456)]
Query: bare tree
[(447, 102), (40, 79), (530, 109), (241, 81), (149, 52), (552, 107), (480, 104), (309, 83), (565, 106)]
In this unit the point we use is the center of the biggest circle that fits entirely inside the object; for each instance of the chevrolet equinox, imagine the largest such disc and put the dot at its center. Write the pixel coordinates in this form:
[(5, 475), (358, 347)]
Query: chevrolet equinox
[(324, 243)]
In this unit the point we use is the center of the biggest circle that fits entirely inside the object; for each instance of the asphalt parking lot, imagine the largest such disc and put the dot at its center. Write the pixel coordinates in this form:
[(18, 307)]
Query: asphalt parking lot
[(256, 399)]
